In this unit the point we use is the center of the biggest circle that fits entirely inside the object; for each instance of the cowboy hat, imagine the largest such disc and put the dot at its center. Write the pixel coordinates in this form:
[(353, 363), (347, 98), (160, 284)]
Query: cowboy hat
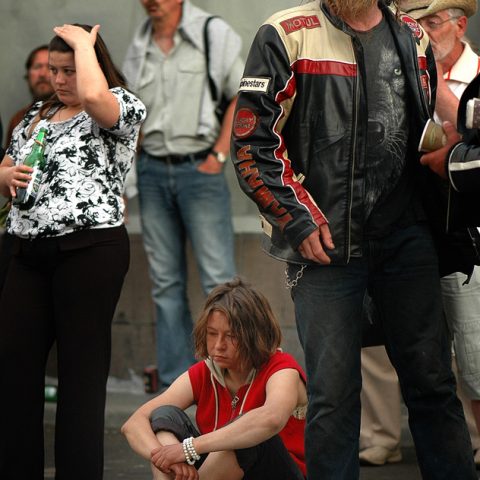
[(421, 8)]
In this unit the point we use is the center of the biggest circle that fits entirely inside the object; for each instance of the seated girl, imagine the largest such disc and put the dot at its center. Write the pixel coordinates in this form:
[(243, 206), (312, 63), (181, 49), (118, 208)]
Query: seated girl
[(250, 398)]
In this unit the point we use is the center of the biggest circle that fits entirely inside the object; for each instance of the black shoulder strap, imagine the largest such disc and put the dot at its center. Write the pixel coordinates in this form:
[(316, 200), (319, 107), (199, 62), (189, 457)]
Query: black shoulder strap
[(211, 83)]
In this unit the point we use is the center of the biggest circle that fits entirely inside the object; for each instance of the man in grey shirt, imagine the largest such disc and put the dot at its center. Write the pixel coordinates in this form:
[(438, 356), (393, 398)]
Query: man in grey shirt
[(182, 189)]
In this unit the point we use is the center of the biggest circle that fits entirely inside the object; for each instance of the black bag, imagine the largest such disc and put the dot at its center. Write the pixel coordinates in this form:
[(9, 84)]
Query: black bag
[(223, 102)]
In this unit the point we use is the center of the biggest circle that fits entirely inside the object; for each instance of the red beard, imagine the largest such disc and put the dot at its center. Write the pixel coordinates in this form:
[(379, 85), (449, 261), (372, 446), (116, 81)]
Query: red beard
[(351, 8)]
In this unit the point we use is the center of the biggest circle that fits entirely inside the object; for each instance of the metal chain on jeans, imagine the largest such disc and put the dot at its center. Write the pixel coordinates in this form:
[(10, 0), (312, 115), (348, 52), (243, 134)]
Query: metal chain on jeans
[(293, 283)]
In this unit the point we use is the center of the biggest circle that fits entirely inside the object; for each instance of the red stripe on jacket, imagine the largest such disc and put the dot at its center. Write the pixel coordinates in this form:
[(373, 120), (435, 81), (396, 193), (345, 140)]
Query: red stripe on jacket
[(287, 174), (325, 67)]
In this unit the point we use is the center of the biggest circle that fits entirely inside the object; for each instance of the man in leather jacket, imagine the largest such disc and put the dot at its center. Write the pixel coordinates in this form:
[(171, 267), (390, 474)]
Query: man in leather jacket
[(330, 112)]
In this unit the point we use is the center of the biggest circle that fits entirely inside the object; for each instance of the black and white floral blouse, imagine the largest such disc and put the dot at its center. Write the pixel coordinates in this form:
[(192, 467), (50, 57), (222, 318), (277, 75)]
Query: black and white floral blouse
[(82, 184)]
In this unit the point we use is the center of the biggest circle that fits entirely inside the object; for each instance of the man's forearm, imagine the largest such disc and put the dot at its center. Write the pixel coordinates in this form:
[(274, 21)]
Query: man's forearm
[(447, 104)]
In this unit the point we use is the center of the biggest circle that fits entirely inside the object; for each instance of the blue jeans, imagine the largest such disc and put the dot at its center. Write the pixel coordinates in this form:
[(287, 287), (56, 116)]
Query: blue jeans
[(400, 273), (176, 202)]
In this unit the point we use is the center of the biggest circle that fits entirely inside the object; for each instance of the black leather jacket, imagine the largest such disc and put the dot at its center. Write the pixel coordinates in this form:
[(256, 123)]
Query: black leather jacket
[(459, 247), (300, 127), (464, 158)]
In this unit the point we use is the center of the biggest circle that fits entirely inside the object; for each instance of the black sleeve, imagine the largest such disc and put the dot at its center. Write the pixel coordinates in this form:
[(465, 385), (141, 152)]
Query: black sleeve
[(259, 150), (464, 167)]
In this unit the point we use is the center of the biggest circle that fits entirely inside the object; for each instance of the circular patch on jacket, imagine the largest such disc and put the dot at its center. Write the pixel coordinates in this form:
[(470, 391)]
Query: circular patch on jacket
[(413, 25), (245, 123)]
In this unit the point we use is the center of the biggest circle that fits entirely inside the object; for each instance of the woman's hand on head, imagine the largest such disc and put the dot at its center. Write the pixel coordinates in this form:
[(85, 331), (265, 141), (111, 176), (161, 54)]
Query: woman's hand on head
[(76, 36)]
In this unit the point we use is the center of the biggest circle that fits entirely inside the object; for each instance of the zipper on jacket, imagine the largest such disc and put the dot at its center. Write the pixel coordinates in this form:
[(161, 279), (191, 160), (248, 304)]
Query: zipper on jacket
[(234, 404), (354, 149)]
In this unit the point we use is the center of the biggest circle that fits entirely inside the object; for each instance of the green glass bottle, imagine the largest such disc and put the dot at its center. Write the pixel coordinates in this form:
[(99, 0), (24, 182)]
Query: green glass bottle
[(26, 197), (50, 393)]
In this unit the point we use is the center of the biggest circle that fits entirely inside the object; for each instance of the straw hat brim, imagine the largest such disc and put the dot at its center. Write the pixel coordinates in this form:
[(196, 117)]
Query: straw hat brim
[(422, 8)]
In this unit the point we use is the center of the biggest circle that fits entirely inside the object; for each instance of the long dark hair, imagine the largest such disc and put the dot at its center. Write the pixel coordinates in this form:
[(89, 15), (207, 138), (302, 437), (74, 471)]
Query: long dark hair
[(112, 74)]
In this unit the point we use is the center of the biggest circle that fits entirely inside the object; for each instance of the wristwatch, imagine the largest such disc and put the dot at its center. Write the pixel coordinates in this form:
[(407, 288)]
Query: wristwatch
[(220, 156)]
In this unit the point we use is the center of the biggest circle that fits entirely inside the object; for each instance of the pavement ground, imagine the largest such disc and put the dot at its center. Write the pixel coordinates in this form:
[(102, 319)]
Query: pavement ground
[(121, 463)]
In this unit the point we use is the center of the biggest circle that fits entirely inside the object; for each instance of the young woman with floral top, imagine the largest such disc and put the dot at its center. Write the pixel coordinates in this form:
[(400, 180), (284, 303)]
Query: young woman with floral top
[(250, 398), (71, 254)]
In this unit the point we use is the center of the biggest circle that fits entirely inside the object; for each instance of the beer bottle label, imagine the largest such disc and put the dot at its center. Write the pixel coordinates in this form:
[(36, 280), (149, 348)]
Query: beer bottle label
[(34, 185)]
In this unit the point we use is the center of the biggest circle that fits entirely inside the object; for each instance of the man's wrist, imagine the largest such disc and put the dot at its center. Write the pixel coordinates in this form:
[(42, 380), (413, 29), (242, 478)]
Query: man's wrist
[(220, 156)]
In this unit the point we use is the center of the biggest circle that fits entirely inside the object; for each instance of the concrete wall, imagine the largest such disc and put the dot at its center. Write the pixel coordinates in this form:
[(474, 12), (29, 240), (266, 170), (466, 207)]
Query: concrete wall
[(28, 23), (25, 24), (133, 326)]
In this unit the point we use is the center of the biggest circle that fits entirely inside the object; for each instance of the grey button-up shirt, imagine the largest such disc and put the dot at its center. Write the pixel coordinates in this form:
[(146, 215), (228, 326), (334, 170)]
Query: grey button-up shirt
[(174, 86)]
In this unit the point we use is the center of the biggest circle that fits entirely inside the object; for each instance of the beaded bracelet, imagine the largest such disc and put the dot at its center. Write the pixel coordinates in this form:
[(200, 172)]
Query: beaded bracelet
[(187, 454), (191, 449), (191, 456)]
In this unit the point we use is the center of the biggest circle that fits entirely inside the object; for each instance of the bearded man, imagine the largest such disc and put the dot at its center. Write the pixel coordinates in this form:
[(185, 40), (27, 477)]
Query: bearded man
[(330, 111), (38, 80)]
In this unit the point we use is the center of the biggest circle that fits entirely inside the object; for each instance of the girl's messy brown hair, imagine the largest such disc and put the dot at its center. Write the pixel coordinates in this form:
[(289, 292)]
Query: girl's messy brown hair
[(252, 322)]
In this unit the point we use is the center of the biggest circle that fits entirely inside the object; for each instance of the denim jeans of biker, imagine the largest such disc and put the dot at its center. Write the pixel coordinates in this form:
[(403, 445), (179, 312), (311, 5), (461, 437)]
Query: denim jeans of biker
[(400, 273), (179, 202)]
